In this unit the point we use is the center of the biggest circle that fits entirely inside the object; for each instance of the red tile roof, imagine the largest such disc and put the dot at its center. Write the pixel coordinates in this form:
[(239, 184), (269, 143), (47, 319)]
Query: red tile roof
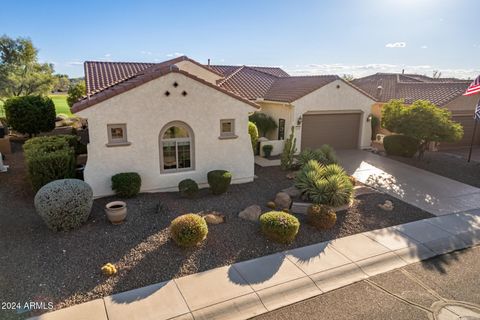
[(227, 70), (289, 89), (248, 82), (146, 75), (411, 87)]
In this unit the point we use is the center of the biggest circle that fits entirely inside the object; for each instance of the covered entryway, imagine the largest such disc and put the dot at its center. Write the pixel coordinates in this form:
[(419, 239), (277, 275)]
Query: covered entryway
[(466, 120), (339, 130)]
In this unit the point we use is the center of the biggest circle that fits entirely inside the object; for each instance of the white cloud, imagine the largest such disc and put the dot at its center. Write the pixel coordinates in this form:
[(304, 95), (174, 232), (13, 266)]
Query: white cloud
[(424, 47), (148, 53), (75, 63), (108, 55), (396, 45), (175, 54), (368, 69)]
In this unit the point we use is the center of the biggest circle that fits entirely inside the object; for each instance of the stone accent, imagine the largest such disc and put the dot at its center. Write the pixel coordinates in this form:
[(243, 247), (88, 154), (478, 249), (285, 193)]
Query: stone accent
[(251, 213), (292, 192), (283, 200)]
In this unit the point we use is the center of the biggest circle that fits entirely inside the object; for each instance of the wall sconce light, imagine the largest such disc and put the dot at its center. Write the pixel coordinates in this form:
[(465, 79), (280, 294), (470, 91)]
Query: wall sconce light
[(369, 118), (299, 120)]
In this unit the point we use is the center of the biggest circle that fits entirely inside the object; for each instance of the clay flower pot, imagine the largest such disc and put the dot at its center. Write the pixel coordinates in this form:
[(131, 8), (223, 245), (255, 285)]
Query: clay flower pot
[(116, 211)]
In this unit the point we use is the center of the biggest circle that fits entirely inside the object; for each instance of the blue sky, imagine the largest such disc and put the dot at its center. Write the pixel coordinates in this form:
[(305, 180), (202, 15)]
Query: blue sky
[(304, 37)]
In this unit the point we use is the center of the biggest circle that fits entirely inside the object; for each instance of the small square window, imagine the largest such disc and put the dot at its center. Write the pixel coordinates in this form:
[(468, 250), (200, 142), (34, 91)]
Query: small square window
[(227, 128), (117, 134)]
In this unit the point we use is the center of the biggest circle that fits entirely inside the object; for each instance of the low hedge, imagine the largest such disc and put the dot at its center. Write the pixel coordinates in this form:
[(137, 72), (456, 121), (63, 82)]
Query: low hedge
[(188, 188), (400, 145), (48, 159), (126, 184), (279, 226), (188, 230), (219, 180)]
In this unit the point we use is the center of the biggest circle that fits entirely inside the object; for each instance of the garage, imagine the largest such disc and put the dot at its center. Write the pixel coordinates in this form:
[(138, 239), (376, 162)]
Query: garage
[(339, 130), (466, 120)]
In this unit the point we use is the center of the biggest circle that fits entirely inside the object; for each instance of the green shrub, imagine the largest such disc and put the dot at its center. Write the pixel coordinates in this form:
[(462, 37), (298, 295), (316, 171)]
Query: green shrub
[(48, 159), (64, 204), (188, 188), (328, 185), (188, 230), (30, 114), (219, 180), (400, 145), (324, 155), (264, 123), (267, 150), (321, 216), (279, 226), (286, 161), (253, 132), (375, 123), (126, 184)]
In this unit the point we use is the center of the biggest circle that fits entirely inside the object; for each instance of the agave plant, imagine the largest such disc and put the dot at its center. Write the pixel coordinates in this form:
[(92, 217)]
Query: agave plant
[(324, 155), (328, 185)]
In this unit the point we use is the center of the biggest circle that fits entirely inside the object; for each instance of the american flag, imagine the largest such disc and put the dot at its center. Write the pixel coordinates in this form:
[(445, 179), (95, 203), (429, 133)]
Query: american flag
[(473, 88), (476, 116)]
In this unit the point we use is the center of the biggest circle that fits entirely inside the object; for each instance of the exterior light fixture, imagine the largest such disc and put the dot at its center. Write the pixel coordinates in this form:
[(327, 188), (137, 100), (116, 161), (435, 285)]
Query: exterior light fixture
[(369, 118), (299, 120)]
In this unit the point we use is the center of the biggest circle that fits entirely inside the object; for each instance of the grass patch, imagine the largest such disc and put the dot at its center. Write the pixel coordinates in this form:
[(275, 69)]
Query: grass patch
[(60, 101)]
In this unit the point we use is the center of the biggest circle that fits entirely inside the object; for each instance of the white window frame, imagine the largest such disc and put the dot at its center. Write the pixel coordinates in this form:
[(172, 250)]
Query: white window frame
[(230, 134), (190, 139), (117, 142)]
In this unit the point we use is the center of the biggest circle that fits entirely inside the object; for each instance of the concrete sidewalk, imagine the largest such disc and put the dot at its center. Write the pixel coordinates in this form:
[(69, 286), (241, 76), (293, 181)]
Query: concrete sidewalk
[(254, 287), (425, 190)]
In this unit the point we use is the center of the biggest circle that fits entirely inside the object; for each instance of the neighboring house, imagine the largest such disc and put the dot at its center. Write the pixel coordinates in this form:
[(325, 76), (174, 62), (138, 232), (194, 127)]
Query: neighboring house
[(443, 92), (166, 121), (323, 109)]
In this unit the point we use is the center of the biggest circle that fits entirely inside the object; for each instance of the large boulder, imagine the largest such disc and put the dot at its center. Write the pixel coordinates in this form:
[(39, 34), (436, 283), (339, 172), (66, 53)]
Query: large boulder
[(251, 213), (283, 200), (64, 204)]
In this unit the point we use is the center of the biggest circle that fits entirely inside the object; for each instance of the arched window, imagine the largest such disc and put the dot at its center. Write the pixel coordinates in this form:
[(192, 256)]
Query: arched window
[(176, 147)]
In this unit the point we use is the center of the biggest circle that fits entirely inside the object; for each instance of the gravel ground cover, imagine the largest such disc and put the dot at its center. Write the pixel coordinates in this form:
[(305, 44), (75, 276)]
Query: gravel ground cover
[(64, 268), (448, 165)]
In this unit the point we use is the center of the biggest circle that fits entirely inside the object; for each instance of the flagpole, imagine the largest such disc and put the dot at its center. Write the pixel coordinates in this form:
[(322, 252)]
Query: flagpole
[(473, 135)]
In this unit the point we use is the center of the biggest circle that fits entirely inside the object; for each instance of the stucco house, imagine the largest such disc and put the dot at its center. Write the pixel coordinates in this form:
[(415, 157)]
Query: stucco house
[(166, 121), (322, 109), (180, 119), (443, 92)]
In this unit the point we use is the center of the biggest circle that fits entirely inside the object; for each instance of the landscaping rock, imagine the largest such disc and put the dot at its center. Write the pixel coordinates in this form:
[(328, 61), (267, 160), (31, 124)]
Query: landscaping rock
[(291, 175), (251, 213), (387, 206), (292, 192), (283, 200), (213, 217)]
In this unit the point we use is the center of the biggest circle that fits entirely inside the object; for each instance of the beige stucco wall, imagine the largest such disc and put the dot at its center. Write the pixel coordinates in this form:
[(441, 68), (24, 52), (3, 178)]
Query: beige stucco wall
[(146, 110), (278, 111), (463, 104), (198, 71), (330, 98)]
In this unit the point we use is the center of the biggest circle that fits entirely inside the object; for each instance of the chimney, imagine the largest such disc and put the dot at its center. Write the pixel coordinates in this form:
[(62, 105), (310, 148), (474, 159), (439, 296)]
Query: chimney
[(208, 62), (403, 71)]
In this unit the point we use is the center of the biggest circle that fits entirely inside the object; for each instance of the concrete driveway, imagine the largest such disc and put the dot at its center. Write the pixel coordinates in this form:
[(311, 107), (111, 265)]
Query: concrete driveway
[(428, 191)]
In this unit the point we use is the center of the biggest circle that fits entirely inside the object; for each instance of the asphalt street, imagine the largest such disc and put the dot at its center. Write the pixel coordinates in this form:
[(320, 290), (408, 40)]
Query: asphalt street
[(446, 287)]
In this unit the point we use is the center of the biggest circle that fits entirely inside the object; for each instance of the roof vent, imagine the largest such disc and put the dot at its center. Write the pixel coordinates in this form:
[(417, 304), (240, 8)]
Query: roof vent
[(379, 91)]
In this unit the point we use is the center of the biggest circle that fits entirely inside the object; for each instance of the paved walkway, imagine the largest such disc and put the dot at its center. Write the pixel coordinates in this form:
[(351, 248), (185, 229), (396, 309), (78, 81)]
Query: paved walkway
[(428, 191), (264, 162), (254, 287)]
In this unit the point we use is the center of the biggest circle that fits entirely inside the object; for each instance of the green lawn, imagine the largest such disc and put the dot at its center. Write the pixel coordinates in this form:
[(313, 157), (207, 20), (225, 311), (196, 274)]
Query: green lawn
[(60, 100)]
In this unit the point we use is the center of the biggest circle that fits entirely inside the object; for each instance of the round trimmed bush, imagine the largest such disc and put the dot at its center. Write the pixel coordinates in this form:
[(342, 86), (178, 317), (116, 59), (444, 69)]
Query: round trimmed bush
[(279, 226), (253, 132), (188, 230), (64, 204), (188, 188), (219, 180), (321, 217), (126, 184), (400, 145)]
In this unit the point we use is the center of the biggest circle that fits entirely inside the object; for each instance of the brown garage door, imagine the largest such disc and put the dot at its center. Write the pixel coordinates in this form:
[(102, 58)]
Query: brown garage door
[(467, 122), (340, 130)]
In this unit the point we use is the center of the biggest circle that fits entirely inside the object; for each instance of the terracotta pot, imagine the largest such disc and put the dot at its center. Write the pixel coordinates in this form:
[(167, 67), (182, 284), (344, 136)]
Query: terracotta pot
[(116, 211)]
